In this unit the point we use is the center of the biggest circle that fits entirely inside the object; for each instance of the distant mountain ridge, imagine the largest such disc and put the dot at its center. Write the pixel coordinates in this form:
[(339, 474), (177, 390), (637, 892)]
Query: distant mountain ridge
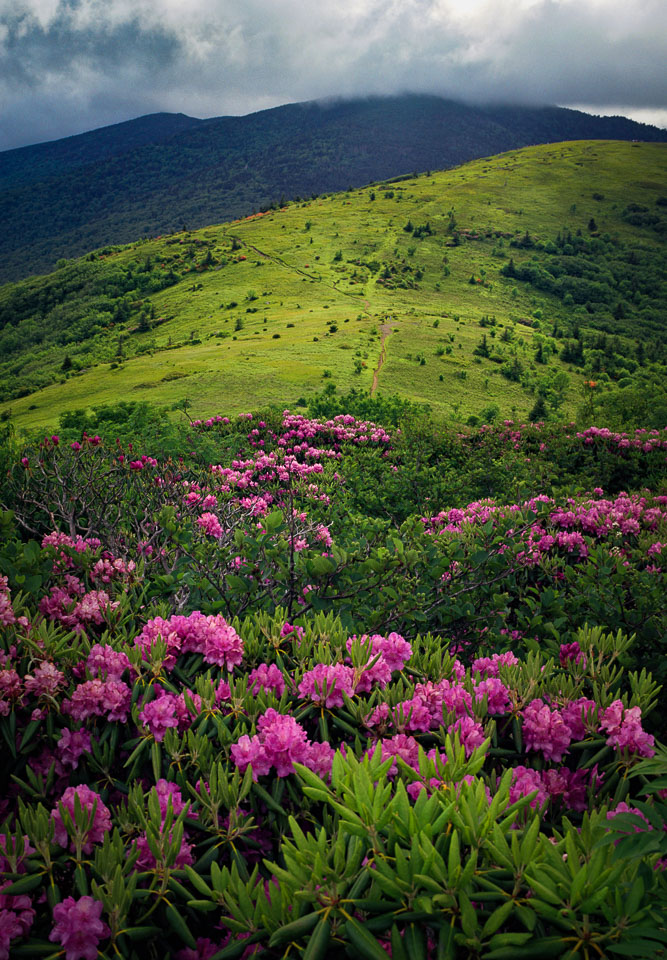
[(151, 175), (53, 158)]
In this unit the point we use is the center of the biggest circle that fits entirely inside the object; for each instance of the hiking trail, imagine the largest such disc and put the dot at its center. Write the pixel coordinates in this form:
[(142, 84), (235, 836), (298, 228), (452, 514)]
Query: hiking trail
[(386, 329)]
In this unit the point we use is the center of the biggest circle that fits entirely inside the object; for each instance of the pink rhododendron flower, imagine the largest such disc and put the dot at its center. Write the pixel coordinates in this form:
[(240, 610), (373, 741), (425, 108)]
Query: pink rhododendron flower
[(108, 569), (288, 628), (268, 677), (325, 684), (400, 746), (489, 666), (280, 742), (471, 733), (394, 649), (11, 689), (105, 662), (524, 781), (571, 651), (70, 747), (498, 695), (17, 915), (544, 729), (99, 698), (210, 636), (166, 792), (7, 615), (78, 927), (575, 714), (569, 785), (623, 807), (625, 729), (146, 859), (210, 524), (159, 715), (10, 928), (88, 800), (46, 681)]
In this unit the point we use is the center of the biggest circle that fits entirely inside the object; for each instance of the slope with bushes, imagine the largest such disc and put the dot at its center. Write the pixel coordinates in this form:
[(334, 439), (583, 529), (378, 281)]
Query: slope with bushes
[(528, 283)]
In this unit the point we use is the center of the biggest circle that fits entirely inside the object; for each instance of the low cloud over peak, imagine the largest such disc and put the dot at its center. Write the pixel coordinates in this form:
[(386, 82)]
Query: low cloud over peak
[(71, 65)]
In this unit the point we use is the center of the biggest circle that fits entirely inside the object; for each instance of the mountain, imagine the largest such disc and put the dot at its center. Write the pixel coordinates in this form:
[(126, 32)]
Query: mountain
[(152, 175), (481, 290)]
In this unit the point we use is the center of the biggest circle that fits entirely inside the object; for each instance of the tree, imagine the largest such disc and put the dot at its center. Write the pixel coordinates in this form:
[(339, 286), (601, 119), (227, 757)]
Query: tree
[(482, 348), (539, 411)]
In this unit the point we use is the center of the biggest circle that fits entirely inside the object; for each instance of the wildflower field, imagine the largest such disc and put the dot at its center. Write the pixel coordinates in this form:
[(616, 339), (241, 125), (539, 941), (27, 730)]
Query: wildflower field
[(316, 687)]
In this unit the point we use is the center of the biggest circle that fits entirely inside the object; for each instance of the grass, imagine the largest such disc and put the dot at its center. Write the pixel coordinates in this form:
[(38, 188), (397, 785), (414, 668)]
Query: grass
[(309, 300)]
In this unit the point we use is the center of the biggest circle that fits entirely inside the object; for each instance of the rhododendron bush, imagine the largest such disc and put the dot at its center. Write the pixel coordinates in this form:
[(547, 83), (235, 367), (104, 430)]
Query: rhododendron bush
[(240, 717)]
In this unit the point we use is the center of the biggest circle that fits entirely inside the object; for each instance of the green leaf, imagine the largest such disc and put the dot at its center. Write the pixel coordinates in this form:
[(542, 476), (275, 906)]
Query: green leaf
[(318, 944), (293, 931), (322, 566), (204, 906), (415, 943), (397, 948), (505, 949), (497, 919), (635, 948), (273, 521), (364, 941), (268, 799), (198, 882), (35, 949), (179, 926), (141, 933), (468, 915), (26, 883), (236, 584)]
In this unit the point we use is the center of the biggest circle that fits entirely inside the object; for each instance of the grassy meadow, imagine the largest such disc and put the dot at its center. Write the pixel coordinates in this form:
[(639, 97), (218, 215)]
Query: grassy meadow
[(272, 308)]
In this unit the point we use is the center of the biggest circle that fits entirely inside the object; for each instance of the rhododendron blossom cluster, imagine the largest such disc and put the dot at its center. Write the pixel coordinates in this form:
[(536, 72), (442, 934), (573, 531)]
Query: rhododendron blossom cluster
[(78, 927), (279, 743), (210, 636)]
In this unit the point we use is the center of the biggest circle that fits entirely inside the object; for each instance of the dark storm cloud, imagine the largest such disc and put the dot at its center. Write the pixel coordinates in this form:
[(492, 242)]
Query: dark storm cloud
[(70, 66)]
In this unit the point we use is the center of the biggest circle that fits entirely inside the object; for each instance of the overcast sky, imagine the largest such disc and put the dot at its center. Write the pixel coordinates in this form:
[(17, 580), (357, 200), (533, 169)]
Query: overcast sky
[(67, 66)]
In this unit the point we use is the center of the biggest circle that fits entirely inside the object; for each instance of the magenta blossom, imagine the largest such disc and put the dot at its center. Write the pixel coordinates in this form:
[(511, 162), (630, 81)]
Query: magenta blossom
[(545, 729), (325, 684), (89, 801), (625, 729), (280, 742), (268, 677), (78, 927)]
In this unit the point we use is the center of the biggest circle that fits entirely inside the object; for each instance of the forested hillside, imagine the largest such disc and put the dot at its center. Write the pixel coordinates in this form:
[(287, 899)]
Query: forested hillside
[(152, 175)]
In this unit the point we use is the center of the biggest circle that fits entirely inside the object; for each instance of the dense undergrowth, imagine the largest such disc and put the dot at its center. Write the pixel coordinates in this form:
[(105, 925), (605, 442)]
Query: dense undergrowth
[(309, 686)]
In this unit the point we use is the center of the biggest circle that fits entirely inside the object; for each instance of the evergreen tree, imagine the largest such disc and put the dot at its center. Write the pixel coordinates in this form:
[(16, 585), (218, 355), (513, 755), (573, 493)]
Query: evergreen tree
[(539, 411), (482, 348)]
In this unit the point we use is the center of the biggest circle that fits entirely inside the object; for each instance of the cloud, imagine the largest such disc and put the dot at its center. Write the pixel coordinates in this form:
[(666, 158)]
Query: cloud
[(70, 65)]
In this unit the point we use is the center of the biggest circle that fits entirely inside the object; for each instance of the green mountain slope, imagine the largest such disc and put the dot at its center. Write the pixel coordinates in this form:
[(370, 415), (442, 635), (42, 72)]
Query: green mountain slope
[(151, 175), (479, 290)]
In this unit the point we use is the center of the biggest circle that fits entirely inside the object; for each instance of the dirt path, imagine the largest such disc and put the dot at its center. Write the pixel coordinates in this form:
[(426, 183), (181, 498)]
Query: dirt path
[(386, 330)]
